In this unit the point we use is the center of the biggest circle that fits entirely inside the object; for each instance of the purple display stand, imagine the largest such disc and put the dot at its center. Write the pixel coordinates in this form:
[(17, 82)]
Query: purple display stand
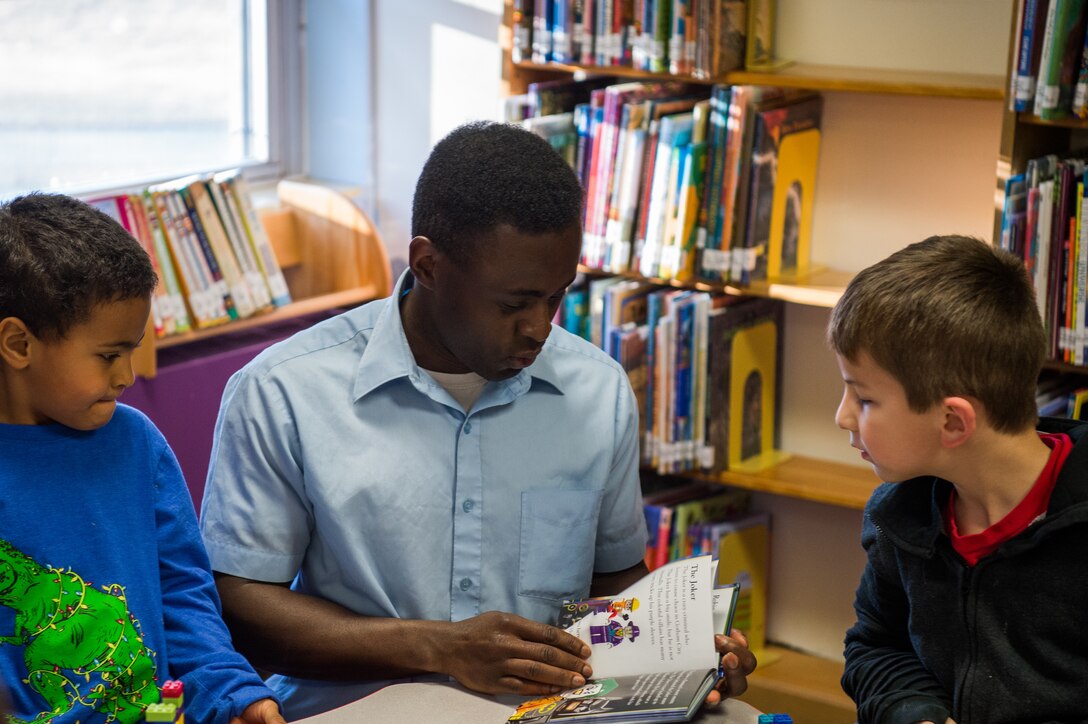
[(183, 398)]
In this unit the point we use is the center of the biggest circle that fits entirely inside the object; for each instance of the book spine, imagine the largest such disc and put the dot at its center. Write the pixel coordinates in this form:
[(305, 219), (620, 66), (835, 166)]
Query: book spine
[(216, 235), (243, 251), (196, 228), (589, 39), (161, 307), (709, 236), (659, 47), (168, 264), (1079, 106), (542, 32), (521, 49), (1016, 52), (195, 277), (561, 31), (236, 191), (1042, 78)]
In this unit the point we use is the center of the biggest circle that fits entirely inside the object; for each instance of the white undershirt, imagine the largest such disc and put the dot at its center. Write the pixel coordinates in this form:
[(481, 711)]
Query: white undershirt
[(463, 387)]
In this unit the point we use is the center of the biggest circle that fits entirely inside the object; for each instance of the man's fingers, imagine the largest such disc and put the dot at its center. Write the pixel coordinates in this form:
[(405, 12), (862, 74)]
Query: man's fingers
[(559, 638), (542, 673)]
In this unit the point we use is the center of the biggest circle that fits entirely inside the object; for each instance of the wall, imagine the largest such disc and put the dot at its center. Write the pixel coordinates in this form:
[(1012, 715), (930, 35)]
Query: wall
[(893, 171), (438, 65)]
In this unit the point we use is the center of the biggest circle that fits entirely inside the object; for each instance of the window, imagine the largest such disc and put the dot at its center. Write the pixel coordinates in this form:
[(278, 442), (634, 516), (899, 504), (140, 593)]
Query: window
[(99, 94)]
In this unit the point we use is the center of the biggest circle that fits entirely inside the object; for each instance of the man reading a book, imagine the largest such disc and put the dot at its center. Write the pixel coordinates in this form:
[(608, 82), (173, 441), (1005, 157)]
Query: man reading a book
[(411, 489), (972, 603)]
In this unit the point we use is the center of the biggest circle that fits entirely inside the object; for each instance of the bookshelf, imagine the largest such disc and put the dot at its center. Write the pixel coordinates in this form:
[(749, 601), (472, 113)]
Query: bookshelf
[(331, 254), (819, 495), (808, 76), (1026, 136)]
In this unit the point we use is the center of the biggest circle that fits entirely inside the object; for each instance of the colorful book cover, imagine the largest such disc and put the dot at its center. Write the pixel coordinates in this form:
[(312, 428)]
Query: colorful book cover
[(1027, 69), (728, 35), (204, 209), (542, 31), (743, 548), (717, 133), (674, 134), (624, 203), (731, 361), (781, 198), (733, 211), (521, 20), (237, 195), (239, 244), (690, 197), (722, 505), (658, 109), (1061, 59)]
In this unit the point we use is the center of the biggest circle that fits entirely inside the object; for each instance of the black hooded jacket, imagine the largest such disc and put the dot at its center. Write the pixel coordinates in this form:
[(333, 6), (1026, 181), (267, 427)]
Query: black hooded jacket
[(1004, 641)]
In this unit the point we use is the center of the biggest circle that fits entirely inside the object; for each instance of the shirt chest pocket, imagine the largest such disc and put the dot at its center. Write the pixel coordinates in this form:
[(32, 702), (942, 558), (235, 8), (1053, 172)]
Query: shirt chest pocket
[(558, 538)]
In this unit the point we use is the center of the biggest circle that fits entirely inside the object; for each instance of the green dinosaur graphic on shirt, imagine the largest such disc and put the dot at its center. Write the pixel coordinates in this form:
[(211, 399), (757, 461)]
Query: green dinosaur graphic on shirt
[(82, 646)]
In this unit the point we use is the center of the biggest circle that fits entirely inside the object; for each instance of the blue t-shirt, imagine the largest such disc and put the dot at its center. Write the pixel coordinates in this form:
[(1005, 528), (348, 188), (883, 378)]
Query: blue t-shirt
[(105, 588), (339, 461)]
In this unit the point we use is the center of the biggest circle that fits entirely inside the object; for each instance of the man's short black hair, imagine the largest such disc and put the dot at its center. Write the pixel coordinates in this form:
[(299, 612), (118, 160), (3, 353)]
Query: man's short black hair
[(485, 174), (60, 257)]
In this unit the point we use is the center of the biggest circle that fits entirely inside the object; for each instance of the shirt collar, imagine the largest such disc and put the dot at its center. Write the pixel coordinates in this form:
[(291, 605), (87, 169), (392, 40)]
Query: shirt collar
[(388, 357)]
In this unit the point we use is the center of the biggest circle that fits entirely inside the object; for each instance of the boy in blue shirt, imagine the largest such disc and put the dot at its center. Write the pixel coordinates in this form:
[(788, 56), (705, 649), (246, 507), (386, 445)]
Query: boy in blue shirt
[(971, 605), (105, 588)]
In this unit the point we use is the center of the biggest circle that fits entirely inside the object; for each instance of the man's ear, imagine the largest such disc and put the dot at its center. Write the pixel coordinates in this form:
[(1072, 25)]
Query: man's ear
[(958, 422), (422, 258), (15, 342)]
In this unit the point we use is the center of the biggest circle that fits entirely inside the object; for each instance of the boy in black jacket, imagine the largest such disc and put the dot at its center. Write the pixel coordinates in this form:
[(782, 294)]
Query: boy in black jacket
[(972, 604)]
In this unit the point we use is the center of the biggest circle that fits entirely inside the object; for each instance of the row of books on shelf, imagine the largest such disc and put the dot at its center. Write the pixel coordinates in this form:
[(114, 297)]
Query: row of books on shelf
[(685, 519), (1043, 222), (700, 38), (213, 258), (1062, 394), (1050, 61), (686, 181), (704, 368)]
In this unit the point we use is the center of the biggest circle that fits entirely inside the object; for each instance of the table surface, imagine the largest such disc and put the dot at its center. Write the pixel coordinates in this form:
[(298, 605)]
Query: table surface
[(442, 703)]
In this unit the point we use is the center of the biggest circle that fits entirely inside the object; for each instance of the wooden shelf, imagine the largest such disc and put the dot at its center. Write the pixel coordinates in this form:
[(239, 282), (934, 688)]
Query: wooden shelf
[(804, 686), (818, 481), (324, 302), (1070, 122), (821, 78), (820, 287)]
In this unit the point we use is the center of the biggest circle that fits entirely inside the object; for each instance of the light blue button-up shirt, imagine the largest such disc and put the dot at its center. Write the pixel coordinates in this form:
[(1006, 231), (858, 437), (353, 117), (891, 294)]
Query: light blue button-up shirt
[(341, 465)]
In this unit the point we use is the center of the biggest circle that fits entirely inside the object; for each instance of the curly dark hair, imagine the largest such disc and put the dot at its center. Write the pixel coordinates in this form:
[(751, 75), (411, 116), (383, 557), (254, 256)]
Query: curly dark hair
[(485, 174), (59, 257)]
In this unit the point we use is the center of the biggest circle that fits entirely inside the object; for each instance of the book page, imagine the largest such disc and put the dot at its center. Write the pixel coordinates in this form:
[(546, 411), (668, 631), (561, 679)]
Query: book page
[(664, 622)]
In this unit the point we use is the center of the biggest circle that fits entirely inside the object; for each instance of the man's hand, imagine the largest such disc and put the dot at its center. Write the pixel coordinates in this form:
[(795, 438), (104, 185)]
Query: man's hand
[(500, 653), (265, 711), (737, 662)]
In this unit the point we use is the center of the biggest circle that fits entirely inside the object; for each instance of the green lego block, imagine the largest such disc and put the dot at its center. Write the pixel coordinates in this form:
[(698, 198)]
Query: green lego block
[(160, 712)]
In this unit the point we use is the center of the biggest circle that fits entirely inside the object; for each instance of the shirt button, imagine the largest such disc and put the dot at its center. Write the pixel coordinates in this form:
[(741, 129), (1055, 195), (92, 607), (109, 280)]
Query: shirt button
[(466, 583), (468, 427), (468, 505)]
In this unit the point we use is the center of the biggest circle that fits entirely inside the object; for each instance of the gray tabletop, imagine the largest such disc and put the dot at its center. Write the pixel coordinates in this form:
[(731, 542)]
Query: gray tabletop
[(449, 703)]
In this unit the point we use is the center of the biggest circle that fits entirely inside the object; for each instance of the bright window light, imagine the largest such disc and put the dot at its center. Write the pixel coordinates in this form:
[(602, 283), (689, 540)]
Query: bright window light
[(100, 94)]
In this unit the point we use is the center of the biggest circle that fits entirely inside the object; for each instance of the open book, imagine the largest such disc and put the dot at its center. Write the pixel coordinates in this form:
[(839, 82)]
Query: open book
[(653, 652)]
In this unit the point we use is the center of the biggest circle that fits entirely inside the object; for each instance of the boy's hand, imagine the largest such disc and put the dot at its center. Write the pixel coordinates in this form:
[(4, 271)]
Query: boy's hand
[(265, 711), (500, 653), (737, 662)]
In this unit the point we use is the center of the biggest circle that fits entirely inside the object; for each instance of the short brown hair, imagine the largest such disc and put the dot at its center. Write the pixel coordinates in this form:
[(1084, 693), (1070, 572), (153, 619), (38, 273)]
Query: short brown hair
[(948, 316)]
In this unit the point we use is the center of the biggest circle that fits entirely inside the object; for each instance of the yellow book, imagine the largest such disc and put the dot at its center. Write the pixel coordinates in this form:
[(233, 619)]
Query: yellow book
[(743, 548)]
